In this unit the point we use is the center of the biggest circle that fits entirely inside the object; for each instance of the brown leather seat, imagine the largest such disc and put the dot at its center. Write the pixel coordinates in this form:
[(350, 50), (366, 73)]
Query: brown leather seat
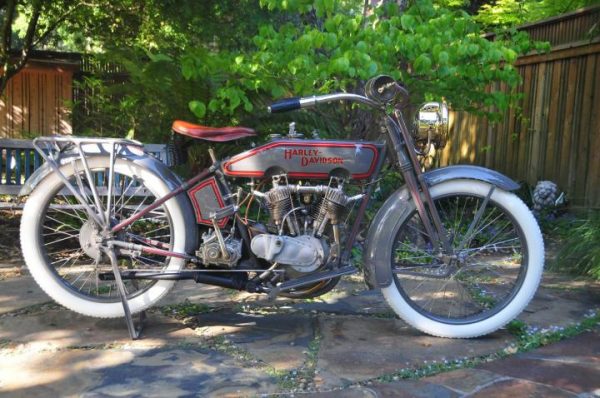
[(218, 134)]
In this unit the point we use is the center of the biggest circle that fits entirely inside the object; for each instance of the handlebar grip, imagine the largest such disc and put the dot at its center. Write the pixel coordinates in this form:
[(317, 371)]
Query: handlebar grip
[(288, 104)]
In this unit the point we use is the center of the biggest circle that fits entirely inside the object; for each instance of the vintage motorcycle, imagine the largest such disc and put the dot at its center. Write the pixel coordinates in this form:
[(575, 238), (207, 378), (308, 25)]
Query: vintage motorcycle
[(107, 229)]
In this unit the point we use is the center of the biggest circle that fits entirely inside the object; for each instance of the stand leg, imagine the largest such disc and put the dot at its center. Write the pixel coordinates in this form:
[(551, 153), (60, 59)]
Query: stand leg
[(134, 332)]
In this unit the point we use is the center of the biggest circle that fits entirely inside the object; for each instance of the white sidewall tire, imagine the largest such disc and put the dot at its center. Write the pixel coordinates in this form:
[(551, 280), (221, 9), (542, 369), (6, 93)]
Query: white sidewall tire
[(50, 283), (535, 244)]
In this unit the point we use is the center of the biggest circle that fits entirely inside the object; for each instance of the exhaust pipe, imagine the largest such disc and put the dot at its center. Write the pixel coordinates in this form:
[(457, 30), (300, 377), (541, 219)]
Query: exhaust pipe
[(236, 281)]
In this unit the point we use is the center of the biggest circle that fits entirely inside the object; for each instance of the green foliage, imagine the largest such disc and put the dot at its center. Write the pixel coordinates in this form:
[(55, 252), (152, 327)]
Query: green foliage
[(183, 63), (507, 13), (142, 104), (326, 46), (517, 327), (154, 89), (580, 252)]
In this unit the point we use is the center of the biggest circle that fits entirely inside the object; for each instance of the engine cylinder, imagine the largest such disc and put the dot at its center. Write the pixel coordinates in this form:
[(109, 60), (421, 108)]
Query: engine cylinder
[(333, 207), (280, 203)]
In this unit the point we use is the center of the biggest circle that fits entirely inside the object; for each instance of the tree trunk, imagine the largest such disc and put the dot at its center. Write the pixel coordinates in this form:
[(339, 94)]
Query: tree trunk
[(12, 65)]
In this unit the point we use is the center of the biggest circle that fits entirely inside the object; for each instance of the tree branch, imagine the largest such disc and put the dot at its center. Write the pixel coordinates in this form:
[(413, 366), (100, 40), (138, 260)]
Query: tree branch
[(30, 34), (52, 27), (7, 28)]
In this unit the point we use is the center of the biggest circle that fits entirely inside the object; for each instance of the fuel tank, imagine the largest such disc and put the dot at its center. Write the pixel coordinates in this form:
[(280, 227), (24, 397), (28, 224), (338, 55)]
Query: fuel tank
[(307, 159)]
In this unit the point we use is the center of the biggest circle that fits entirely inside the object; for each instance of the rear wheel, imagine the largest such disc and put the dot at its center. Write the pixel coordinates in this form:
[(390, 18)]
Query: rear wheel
[(61, 247), (492, 274)]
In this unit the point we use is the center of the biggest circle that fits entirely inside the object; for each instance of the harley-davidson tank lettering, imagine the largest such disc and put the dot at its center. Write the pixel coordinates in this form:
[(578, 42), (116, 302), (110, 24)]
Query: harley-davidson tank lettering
[(107, 229)]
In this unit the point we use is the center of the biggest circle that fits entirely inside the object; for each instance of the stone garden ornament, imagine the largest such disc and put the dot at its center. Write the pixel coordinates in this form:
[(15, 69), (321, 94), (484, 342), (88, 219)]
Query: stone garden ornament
[(107, 229)]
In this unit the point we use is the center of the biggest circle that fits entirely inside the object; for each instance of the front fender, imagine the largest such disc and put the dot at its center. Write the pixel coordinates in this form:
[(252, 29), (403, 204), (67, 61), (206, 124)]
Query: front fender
[(385, 225), (463, 171)]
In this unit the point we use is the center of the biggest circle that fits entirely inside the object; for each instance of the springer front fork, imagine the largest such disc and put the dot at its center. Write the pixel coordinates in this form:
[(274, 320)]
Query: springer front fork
[(410, 168)]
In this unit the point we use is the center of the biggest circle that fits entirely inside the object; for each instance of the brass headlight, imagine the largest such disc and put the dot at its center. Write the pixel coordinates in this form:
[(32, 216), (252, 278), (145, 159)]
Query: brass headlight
[(432, 124)]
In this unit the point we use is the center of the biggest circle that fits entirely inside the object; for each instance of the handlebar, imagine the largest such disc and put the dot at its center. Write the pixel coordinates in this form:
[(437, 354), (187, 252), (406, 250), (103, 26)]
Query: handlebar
[(290, 104), (379, 91)]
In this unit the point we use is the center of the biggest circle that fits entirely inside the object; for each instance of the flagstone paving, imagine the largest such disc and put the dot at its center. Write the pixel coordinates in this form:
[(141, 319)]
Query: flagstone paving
[(206, 341)]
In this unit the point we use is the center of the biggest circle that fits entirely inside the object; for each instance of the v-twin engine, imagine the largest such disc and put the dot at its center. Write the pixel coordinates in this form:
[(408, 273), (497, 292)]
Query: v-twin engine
[(299, 219)]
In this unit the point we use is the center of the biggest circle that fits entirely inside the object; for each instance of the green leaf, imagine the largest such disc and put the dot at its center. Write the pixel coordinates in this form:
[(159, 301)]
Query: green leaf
[(372, 69), (248, 105), (509, 55), (330, 25), (277, 92), (329, 5), (422, 64), (187, 70), (341, 64), (408, 22), (159, 57), (198, 108), (443, 58), (213, 105)]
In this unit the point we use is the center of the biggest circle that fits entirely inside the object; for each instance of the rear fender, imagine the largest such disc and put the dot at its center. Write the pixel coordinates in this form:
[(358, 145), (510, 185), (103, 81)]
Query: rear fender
[(130, 151), (389, 218), (138, 157)]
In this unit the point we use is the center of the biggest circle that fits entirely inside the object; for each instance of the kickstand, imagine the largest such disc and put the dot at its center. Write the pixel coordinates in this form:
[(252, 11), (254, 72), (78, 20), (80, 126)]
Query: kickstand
[(134, 332)]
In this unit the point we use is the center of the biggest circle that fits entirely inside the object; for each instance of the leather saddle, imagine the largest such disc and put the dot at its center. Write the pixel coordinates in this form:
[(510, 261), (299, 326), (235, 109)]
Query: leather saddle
[(216, 134)]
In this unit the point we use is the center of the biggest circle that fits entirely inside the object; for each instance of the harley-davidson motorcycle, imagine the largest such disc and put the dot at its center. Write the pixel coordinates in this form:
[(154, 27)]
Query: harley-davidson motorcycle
[(107, 229)]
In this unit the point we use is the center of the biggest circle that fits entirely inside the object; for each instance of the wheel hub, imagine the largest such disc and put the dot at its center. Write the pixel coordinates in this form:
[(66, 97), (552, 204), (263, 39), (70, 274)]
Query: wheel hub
[(89, 239)]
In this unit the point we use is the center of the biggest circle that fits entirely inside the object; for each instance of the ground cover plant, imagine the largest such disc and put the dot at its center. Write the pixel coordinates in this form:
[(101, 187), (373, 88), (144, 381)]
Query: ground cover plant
[(579, 247)]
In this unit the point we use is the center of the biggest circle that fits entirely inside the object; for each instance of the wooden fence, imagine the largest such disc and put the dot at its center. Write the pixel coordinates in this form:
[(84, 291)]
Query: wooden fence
[(37, 99), (557, 136)]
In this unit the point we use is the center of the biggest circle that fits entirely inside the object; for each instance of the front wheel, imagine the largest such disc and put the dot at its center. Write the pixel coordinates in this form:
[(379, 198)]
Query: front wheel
[(489, 278)]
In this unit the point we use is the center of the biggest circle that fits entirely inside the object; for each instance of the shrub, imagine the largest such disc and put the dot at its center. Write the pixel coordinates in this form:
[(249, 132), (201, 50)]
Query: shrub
[(580, 253)]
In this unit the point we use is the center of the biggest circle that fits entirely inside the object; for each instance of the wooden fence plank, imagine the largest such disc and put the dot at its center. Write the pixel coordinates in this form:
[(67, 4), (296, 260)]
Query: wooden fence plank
[(592, 186), (524, 132), (566, 132), (583, 147), (553, 120), (534, 155)]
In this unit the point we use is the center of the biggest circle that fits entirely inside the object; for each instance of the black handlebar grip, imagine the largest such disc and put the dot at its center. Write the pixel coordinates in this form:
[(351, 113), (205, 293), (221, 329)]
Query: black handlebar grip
[(288, 104)]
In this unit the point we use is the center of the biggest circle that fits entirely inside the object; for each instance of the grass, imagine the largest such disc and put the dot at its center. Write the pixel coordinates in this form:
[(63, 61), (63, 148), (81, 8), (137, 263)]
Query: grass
[(185, 309), (302, 379)]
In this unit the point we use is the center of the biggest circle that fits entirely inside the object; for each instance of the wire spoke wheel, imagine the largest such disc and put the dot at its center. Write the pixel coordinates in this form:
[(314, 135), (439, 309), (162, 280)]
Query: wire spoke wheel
[(488, 277), (64, 246), (486, 270), (72, 240)]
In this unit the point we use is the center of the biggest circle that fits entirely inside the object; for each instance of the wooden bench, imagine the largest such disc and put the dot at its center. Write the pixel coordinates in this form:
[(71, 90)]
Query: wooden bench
[(19, 160)]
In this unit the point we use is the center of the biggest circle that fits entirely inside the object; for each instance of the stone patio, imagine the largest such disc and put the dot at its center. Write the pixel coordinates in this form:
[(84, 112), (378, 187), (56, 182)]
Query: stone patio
[(344, 344)]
